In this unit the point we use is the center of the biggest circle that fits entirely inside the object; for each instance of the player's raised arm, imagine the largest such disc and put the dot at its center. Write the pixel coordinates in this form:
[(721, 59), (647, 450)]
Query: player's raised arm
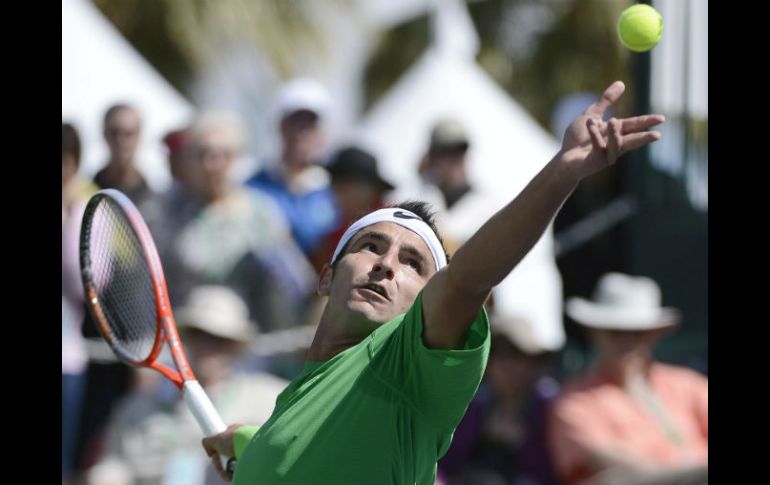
[(454, 296)]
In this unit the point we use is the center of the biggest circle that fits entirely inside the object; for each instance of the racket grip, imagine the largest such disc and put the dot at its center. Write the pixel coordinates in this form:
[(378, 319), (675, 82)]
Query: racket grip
[(207, 416)]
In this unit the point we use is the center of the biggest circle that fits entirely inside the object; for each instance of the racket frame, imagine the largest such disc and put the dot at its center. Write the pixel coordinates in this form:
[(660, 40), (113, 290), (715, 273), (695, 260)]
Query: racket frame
[(165, 327)]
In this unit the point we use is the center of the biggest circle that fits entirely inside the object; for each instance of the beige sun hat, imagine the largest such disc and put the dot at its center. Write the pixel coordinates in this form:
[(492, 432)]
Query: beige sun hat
[(219, 311), (448, 133), (623, 302)]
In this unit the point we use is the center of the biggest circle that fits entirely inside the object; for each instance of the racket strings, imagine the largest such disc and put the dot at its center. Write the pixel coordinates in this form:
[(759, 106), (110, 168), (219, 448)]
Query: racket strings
[(122, 278)]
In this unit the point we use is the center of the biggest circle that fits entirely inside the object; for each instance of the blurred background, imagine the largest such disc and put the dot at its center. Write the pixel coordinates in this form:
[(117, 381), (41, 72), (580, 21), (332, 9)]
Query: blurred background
[(514, 72)]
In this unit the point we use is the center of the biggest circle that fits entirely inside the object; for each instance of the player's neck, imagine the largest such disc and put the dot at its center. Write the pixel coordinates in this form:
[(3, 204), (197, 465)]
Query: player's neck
[(332, 337), (325, 347)]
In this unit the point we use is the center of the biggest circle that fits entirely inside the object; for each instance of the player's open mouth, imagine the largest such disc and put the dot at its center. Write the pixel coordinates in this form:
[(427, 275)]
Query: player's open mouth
[(375, 288)]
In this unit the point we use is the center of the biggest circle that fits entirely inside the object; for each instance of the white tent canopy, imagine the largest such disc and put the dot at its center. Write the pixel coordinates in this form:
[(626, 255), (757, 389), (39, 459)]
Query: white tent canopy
[(100, 68), (509, 147)]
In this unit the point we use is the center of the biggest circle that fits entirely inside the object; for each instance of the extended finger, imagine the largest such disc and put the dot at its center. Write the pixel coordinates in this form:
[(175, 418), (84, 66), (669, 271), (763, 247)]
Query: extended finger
[(635, 124), (639, 123), (615, 142), (609, 97), (596, 137), (636, 140)]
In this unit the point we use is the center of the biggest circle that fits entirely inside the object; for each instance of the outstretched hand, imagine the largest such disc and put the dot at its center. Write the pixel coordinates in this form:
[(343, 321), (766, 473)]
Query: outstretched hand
[(591, 144)]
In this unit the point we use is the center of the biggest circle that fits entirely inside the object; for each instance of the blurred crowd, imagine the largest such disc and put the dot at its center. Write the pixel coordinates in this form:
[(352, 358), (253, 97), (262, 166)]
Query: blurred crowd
[(241, 259)]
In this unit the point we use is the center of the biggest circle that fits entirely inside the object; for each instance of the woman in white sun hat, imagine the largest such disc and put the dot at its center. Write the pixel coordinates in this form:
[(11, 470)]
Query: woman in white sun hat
[(629, 420)]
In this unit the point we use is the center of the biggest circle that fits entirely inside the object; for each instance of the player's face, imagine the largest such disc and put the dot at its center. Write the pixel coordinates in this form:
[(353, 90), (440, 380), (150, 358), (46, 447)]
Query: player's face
[(383, 269)]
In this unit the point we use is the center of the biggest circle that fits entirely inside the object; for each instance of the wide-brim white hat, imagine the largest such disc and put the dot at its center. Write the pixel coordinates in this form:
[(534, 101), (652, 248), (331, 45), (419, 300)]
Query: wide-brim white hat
[(623, 302)]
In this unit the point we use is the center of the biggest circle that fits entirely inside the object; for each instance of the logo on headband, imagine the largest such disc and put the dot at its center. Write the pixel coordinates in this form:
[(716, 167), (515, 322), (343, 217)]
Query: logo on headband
[(404, 215)]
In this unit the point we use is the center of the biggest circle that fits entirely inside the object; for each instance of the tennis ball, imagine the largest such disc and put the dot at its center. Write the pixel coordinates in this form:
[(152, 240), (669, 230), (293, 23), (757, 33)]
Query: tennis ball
[(640, 27)]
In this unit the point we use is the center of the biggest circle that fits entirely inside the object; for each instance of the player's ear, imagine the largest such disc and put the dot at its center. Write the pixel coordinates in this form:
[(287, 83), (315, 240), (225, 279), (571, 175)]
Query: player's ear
[(325, 280)]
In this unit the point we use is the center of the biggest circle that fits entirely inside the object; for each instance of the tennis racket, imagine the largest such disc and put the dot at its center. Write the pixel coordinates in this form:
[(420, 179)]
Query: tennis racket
[(127, 297)]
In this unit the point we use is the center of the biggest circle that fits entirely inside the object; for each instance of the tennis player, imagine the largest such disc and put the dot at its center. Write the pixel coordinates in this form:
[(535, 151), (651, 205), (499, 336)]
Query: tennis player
[(403, 340)]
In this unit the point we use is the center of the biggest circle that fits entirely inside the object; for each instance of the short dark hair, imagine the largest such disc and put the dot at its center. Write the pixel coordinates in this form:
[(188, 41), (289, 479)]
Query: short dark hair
[(70, 142), (419, 208), (115, 108)]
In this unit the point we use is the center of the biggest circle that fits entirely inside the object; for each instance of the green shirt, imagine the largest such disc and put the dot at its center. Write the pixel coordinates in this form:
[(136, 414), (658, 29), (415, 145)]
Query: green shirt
[(381, 412)]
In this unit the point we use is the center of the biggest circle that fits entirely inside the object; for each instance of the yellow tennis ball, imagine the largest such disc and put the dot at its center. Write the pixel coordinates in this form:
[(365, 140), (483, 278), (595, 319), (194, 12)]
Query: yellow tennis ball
[(640, 27)]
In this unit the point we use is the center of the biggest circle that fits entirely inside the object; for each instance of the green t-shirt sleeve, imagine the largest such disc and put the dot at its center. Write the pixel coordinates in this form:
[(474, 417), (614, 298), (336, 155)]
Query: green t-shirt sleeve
[(241, 438), (439, 383)]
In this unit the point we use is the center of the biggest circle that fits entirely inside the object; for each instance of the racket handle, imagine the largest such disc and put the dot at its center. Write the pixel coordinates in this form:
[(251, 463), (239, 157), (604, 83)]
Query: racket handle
[(207, 416)]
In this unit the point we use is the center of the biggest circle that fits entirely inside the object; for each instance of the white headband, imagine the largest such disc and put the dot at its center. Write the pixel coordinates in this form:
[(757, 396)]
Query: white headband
[(403, 218)]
